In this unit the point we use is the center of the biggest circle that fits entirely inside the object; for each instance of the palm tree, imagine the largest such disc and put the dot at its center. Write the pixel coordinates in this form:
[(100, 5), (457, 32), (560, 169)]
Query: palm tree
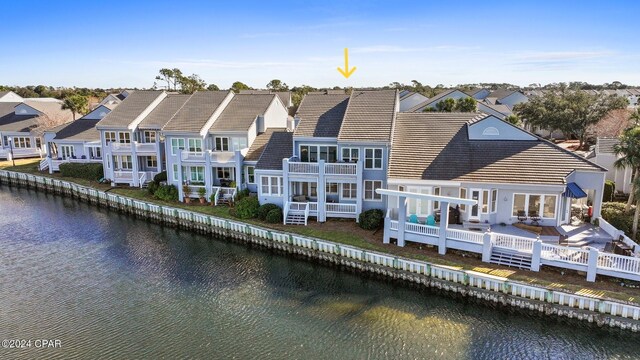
[(635, 117), (628, 151), (636, 214), (75, 103)]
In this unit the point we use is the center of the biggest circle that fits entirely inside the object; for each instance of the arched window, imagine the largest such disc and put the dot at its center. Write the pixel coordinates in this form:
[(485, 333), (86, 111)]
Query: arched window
[(490, 131)]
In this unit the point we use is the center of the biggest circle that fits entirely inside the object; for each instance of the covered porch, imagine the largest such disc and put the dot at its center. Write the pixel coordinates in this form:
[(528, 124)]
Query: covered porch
[(310, 198)]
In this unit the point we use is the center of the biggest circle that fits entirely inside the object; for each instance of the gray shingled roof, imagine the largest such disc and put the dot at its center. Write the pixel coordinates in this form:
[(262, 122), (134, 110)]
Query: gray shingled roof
[(431, 101), (284, 96), (129, 109), (242, 111), (501, 93), (195, 113), (79, 130), (259, 143), (280, 146), (435, 146), (167, 108), (369, 116), (321, 115), (9, 121)]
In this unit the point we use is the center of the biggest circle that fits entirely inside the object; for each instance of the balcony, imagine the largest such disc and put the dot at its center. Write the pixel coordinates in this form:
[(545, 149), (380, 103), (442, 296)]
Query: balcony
[(312, 168), (126, 148), (217, 157)]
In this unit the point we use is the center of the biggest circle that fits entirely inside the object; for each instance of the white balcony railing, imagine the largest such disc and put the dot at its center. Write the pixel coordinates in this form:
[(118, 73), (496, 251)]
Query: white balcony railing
[(219, 157), (222, 156), (119, 175), (303, 168), (341, 169), (193, 156), (127, 147), (340, 208)]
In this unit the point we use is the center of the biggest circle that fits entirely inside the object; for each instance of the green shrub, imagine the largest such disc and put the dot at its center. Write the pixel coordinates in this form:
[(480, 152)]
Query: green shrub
[(202, 192), (152, 187), (247, 208), (167, 193), (82, 171), (609, 190), (613, 213), (371, 219), (274, 216), (160, 177), (264, 210), (242, 194)]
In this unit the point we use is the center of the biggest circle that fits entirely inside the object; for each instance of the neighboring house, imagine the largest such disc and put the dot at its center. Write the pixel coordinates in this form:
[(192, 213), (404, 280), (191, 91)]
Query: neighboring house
[(10, 96), (499, 110), (604, 156), (206, 141), (409, 99), (285, 96), (22, 125), (510, 98), (131, 146), (511, 173), (479, 94), (339, 157), (77, 141)]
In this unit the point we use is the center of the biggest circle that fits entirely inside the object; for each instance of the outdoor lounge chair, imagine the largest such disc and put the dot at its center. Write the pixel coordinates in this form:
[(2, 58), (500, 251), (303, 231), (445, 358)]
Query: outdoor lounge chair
[(414, 219), (535, 218), (522, 216), (430, 220)]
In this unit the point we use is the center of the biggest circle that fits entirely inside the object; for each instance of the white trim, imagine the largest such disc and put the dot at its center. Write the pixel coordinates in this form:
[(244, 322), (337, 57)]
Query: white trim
[(373, 190)]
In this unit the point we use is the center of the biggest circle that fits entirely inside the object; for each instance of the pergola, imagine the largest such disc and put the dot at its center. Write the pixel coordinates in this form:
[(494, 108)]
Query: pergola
[(403, 196)]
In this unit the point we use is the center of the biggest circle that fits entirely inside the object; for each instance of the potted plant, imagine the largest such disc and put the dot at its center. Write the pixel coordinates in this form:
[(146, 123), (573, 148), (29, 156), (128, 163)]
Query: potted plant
[(202, 193), (212, 198), (186, 193)]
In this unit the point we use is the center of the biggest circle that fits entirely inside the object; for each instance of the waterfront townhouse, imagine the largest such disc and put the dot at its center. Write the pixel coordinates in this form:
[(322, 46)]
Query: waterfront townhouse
[(22, 125), (76, 142), (338, 156), (129, 135), (512, 176), (207, 140)]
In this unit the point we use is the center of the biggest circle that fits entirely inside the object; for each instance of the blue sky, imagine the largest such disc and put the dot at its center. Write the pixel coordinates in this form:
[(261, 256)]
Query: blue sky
[(123, 44)]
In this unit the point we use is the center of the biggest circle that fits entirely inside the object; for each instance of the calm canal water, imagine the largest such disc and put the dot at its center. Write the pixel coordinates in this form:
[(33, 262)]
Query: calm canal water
[(108, 286)]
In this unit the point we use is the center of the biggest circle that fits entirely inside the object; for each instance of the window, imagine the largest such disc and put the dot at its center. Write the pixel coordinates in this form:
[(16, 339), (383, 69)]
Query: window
[(332, 189), (222, 143), (125, 162), (271, 185), (68, 152), (149, 136), (350, 154), (463, 195), (21, 142), (152, 162), (195, 145), (109, 136), (176, 144), (224, 173), (196, 175), (419, 206), (251, 176), (494, 200), (349, 191), (314, 153), (370, 187), (373, 159), (175, 173), (124, 137), (490, 131), (485, 201), (95, 152), (436, 204), (543, 205), (310, 189)]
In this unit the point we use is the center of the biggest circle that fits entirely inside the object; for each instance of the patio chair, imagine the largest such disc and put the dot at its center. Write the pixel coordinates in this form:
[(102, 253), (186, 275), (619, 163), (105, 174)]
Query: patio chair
[(430, 220), (535, 218), (414, 219), (522, 216)]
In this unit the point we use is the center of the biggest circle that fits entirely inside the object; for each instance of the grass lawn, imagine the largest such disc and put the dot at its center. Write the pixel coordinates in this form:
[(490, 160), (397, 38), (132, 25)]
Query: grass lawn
[(346, 231)]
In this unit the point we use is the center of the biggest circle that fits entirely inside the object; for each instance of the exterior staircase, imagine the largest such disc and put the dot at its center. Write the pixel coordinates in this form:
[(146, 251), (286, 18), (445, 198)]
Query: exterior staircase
[(44, 164), (295, 219), (511, 258)]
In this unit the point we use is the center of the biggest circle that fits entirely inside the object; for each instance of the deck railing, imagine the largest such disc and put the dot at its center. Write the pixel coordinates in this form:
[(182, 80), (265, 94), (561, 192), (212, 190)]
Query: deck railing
[(512, 242), (340, 208), (303, 167), (340, 169), (464, 235), (422, 229), (619, 263), (566, 254)]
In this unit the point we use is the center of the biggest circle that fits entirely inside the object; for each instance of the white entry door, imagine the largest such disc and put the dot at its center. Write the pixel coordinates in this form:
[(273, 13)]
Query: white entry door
[(476, 195)]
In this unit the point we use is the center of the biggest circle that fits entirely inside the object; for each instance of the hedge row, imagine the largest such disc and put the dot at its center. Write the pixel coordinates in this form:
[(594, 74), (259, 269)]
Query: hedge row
[(91, 172)]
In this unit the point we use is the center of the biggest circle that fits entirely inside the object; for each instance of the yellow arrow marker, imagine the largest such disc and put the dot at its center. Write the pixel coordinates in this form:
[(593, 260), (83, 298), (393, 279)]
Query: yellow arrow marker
[(346, 72)]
